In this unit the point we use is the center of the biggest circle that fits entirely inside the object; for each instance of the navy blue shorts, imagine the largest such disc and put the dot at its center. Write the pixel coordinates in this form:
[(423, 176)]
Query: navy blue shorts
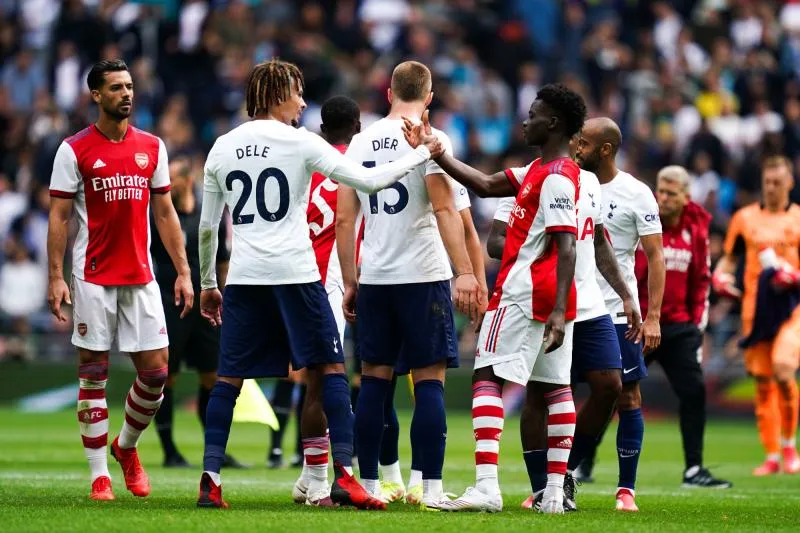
[(264, 327), (406, 326), (594, 347), (633, 365)]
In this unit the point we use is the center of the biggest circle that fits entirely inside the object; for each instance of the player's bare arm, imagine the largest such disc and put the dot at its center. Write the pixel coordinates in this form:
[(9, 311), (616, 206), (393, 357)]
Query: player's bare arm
[(57, 230), (347, 205), (484, 185), (565, 272), (656, 274), (497, 239), (451, 229), (208, 241), (169, 229), (607, 265), (473, 242)]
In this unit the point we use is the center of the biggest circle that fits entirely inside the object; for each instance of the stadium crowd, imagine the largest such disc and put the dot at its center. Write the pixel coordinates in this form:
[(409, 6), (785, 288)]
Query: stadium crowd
[(711, 84)]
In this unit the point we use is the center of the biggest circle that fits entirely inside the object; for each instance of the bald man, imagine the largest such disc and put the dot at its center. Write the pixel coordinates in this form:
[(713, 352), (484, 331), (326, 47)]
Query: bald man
[(630, 216)]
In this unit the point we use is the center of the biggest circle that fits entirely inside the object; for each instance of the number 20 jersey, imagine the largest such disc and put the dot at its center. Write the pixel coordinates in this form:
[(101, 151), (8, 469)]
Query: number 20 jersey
[(263, 168), (401, 243)]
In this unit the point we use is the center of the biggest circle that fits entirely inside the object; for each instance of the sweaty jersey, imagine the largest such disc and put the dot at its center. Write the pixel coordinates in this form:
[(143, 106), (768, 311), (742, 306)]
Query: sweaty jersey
[(545, 203), (110, 183), (630, 211), (752, 228), (262, 170), (590, 298), (401, 242), (322, 225)]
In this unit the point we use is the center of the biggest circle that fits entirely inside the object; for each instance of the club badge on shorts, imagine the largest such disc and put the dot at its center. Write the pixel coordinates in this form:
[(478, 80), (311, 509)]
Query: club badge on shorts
[(82, 329), (141, 160)]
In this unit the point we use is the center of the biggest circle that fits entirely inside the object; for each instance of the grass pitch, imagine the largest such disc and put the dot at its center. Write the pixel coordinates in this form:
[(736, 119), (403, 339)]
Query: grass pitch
[(44, 486)]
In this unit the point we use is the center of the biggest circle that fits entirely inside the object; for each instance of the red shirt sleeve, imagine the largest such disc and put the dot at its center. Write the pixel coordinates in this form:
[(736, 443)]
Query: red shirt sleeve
[(699, 275)]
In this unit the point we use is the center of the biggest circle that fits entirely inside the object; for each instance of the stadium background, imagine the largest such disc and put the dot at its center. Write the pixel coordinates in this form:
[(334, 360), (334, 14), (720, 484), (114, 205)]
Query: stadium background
[(710, 84)]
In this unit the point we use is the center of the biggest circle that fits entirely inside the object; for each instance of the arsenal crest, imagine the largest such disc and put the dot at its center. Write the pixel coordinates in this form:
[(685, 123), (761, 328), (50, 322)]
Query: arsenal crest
[(141, 160), (526, 190), (82, 329)]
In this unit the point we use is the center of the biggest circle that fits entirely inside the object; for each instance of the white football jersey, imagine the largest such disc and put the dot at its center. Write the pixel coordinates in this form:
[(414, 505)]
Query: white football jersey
[(401, 243), (263, 171), (630, 211), (590, 297)]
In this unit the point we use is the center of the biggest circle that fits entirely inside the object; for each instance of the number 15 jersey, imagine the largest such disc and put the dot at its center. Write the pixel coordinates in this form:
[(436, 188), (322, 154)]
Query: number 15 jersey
[(401, 243)]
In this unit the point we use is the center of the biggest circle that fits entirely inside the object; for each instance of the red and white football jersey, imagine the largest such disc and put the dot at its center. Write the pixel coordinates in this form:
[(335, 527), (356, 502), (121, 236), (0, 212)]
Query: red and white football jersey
[(546, 199), (111, 183), (321, 223)]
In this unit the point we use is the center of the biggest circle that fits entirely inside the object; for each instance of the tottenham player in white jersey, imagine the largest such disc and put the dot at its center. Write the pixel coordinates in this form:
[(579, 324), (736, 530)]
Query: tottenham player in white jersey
[(274, 302), (402, 297), (630, 216)]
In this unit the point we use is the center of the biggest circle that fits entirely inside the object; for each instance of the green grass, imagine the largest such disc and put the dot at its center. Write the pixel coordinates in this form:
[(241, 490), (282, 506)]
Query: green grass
[(44, 486)]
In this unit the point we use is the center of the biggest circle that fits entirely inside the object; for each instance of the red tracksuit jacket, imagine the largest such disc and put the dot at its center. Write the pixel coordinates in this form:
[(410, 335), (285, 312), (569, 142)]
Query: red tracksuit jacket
[(688, 269)]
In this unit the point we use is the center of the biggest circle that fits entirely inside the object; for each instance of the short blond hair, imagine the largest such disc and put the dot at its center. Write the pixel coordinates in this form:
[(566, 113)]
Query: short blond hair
[(411, 81), (775, 161), (675, 174)]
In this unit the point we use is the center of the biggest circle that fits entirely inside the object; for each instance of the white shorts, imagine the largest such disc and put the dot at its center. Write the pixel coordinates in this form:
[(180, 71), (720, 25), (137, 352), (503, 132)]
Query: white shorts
[(336, 297), (130, 313), (513, 345)]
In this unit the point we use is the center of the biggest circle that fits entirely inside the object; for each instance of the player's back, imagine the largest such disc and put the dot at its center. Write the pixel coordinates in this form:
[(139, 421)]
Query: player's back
[(401, 237), (630, 211), (260, 167), (760, 228)]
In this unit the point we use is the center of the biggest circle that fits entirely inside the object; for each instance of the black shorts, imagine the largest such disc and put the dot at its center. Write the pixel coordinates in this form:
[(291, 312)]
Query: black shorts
[(192, 340)]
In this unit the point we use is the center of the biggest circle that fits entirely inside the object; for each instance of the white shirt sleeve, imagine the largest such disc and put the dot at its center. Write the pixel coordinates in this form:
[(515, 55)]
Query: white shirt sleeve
[(160, 182), (504, 207), (557, 202), (646, 213), (460, 195), (323, 158), (210, 215), (432, 167), (66, 177), (517, 175)]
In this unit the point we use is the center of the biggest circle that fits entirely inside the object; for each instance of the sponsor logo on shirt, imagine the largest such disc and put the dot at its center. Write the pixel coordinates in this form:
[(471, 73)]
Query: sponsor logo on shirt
[(677, 259), (98, 164), (651, 217), (562, 202), (120, 187)]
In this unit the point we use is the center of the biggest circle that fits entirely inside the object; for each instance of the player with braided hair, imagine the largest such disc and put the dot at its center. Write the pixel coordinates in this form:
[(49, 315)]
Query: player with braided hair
[(276, 309)]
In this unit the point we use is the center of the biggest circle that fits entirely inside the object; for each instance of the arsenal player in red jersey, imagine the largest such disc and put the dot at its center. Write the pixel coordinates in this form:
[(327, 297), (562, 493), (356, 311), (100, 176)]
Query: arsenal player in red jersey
[(108, 173)]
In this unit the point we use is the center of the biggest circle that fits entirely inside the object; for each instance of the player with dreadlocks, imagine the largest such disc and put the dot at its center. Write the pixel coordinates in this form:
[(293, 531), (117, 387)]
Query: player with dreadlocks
[(275, 304)]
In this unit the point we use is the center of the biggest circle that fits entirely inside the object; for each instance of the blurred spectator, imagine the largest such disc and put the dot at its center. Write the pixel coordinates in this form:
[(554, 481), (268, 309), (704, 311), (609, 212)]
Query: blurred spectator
[(24, 79)]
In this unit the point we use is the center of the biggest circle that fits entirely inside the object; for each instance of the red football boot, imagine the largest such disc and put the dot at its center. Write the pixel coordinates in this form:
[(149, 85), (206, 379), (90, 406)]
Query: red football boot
[(101, 489), (347, 490), (136, 479), (210, 494)]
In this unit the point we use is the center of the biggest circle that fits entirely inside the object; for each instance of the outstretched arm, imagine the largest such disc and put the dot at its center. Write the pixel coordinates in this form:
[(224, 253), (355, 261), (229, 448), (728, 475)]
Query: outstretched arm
[(484, 185)]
